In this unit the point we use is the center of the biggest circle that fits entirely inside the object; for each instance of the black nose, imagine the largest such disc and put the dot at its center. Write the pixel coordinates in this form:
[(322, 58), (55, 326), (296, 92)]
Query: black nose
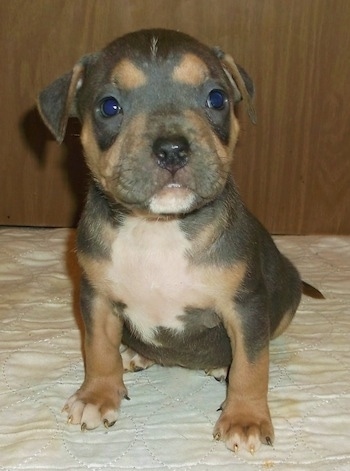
[(171, 152)]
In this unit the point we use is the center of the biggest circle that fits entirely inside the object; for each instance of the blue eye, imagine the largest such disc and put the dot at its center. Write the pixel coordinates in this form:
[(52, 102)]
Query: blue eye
[(110, 107), (216, 99)]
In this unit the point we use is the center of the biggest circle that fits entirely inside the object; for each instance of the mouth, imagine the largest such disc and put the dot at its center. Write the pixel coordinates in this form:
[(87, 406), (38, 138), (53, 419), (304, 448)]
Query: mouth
[(173, 198), (173, 185)]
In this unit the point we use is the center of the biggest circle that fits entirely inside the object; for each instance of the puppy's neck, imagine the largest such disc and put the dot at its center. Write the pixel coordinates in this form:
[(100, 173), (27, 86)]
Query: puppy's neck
[(223, 209)]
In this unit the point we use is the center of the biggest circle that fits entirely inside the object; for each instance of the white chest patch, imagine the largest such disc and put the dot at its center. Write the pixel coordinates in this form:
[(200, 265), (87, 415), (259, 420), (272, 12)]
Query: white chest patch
[(150, 273)]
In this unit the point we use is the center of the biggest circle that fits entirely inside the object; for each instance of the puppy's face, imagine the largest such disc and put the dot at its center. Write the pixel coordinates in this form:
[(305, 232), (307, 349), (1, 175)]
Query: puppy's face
[(158, 127)]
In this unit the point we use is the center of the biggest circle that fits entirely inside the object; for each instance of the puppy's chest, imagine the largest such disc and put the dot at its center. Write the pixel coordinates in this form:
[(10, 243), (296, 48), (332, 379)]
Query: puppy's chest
[(150, 274)]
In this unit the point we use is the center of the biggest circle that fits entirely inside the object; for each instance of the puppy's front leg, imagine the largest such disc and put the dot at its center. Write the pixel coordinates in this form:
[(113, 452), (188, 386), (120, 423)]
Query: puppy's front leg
[(98, 399), (245, 420)]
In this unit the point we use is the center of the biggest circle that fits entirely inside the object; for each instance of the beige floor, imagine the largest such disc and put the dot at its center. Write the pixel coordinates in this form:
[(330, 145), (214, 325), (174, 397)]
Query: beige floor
[(167, 424)]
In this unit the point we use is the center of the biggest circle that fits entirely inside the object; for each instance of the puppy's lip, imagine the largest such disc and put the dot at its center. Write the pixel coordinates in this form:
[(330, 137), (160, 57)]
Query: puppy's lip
[(174, 189), (173, 198), (174, 185)]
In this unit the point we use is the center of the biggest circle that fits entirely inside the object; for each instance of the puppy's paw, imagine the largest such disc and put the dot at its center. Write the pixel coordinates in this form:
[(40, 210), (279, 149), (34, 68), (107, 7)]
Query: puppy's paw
[(133, 361), (95, 403), (244, 428), (220, 374)]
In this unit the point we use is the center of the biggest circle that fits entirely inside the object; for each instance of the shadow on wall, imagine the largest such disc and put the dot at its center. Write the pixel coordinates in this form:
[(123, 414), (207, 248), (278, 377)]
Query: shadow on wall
[(74, 168)]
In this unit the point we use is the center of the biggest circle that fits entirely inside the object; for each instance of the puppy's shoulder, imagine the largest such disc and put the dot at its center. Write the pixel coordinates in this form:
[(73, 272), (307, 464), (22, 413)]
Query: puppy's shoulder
[(220, 232), (99, 224)]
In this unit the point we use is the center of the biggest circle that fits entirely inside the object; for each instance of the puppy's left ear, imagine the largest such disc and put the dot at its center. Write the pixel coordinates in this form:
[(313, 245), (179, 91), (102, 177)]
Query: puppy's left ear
[(242, 84)]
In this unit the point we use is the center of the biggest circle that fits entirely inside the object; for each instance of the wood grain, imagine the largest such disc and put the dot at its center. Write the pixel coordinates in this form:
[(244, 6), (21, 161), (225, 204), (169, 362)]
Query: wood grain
[(293, 168)]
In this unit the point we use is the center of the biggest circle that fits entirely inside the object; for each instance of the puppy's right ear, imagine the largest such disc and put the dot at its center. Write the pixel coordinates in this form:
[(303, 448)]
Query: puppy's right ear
[(241, 82), (56, 103)]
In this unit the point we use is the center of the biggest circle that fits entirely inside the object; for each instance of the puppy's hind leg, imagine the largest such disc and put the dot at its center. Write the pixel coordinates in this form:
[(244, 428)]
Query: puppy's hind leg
[(133, 361), (284, 323), (220, 374)]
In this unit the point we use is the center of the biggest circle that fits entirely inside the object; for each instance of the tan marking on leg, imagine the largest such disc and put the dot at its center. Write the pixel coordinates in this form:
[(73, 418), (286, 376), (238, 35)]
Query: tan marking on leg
[(128, 76), (245, 421), (96, 273), (98, 399), (102, 344), (191, 70)]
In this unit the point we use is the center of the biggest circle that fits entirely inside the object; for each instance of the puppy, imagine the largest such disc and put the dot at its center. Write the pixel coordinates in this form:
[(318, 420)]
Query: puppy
[(174, 267)]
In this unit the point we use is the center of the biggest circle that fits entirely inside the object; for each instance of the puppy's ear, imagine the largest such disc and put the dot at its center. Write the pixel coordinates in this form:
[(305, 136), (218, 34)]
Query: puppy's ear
[(242, 84), (56, 103)]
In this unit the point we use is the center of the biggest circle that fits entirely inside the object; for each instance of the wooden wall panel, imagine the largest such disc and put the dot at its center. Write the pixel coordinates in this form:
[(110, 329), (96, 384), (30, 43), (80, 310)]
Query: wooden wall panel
[(293, 168)]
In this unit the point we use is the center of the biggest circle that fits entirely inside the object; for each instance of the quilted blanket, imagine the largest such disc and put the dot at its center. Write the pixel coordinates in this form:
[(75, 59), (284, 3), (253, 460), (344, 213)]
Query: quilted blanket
[(167, 424)]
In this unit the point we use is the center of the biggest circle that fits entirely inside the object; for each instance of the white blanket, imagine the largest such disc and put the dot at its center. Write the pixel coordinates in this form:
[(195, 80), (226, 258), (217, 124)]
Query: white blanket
[(167, 424)]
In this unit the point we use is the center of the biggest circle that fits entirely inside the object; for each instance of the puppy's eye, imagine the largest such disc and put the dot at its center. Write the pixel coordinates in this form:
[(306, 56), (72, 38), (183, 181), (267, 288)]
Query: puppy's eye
[(216, 99), (110, 107)]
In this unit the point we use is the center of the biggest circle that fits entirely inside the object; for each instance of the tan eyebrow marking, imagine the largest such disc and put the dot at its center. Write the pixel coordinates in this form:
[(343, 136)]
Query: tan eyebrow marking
[(191, 70), (128, 76)]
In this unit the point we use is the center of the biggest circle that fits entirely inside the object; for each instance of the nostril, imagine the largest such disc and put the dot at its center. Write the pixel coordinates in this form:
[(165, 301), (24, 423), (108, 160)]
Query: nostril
[(171, 152), (177, 145)]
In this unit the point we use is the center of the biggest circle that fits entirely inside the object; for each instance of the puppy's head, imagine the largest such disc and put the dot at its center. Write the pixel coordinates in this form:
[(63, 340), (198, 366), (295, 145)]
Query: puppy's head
[(157, 114)]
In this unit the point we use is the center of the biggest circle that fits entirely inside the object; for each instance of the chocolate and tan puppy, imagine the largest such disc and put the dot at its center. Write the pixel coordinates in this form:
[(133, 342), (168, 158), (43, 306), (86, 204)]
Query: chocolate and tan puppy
[(176, 271)]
